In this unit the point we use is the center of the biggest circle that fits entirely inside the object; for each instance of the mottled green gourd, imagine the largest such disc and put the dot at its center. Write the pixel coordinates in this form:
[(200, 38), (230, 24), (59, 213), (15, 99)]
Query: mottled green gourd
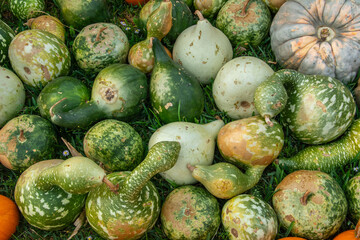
[(141, 55), (317, 109), (6, 35), (132, 211), (81, 13), (327, 157), (25, 140), (118, 92), (25, 9), (175, 94), (352, 194)]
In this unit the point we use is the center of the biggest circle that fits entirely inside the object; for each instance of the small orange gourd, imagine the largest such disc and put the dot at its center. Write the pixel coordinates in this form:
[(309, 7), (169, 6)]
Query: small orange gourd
[(292, 238), (9, 217)]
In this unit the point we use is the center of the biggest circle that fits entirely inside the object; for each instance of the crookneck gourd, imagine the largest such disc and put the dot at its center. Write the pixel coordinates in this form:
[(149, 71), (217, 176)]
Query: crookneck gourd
[(248, 143), (317, 109), (141, 55), (134, 209), (318, 37)]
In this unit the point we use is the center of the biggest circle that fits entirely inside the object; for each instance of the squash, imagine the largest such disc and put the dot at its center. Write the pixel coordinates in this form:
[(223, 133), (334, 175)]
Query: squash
[(175, 94), (197, 147), (12, 95), (248, 217), (326, 157), (6, 35), (25, 9), (37, 57), (118, 92), (81, 13), (244, 22), (318, 37), (49, 24), (99, 45), (292, 238), (348, 235), (208, 8), (115, 144), (317, 109), (353, 195), (310, 204), (235, 84), (274, 5), (9, 217), (202, 50), (135, 207), (190, 212), (25, 140)]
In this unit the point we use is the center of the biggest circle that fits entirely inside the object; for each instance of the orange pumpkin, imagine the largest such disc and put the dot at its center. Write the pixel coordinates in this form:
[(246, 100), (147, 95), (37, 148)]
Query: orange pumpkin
[(347, 235), (9, 217), (292, 238)]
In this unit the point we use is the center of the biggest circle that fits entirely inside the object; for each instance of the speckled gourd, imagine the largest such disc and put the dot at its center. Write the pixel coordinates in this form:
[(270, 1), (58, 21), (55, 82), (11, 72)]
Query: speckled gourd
[(246, 217), (202, 50), (12, 95), (326, 157), (208, 8), (118, 92), (49, 24), (6, 35), (134, 209), (249, 144), (51, 194), (310, 204), (317, 109), (352, 193), (158, 25), (25, 9), (197, 147), (25, 140), (37, 57)]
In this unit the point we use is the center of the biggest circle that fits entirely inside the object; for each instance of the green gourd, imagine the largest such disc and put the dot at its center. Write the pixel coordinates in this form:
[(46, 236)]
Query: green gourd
[(6, 35), (25, 9), (135, 207)]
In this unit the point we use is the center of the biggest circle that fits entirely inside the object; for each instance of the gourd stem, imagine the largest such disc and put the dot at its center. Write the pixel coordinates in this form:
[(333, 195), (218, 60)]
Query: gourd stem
[(244, 10), (304, 198), (99, 33), (114, 188), (200, 16), (72, 150), (268, 121), (21, 136)]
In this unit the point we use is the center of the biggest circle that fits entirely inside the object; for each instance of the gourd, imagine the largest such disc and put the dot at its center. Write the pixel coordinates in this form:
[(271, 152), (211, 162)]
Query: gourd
[(99, 45), (248, 143), (326, 157), (197, 147), (6, 35), (248, 217), (202, 50), (208, 8), (274, 5), (244, 22), (175, 94), (81, 13), (292, 238), (323, 44), (348, 235), (115, 144), (37, 57), (25, 140), (134, 209), (312, 203), (235, 84), (12, 95), (158, 25), (25, 9), (9, 217), (352, 195), (118, 92), (49, 24), (317, 109), (190, 212)]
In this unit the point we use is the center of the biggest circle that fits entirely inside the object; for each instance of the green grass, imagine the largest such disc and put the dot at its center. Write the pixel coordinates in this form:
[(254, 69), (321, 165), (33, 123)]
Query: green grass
[(146, 123)]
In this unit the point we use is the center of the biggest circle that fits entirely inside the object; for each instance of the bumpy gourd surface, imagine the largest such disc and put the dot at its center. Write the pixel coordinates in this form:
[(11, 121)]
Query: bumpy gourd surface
[(25, 9)]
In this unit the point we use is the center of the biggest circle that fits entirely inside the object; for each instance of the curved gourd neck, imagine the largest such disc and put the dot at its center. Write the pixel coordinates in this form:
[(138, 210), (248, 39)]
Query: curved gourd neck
[(213, 128), (160, 54)]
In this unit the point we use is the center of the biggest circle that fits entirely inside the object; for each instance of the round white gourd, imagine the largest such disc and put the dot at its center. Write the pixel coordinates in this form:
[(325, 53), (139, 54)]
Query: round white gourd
[(235, 84), (202, 50), (12, 95)]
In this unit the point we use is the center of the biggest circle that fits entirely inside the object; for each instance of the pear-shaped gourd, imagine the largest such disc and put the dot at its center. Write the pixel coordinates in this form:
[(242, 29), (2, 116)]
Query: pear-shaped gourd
[(134, 209), (197, 147), (49, 24), (248, 143), (175, 94), (202, 50), (158, 25)]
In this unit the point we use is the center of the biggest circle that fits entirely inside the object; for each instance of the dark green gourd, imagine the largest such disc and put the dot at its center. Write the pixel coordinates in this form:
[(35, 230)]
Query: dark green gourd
[(134, 209), (175, 94)]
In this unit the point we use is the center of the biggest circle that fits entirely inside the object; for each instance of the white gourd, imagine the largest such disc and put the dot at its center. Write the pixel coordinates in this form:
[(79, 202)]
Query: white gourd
[(202, 50), (197, 143), (235, 84)]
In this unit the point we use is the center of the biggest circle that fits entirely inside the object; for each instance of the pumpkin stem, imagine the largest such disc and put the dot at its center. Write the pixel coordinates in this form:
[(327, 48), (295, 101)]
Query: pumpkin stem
[(29, 22), (244, 10), (72, 150), (200, 16), (304, 198), (268, 121), (99, 33), (21, 136), (52, 107), (357, 230), (112, 187)]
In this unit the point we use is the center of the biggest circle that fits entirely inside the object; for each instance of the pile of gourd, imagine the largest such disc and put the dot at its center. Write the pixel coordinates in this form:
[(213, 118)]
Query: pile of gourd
[(222, 118)]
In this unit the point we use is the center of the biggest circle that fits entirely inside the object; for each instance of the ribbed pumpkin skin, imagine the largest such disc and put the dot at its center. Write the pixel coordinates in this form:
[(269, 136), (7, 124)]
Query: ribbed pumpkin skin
[(6, 35), (298, 41), (9, 217), (322, 212)]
